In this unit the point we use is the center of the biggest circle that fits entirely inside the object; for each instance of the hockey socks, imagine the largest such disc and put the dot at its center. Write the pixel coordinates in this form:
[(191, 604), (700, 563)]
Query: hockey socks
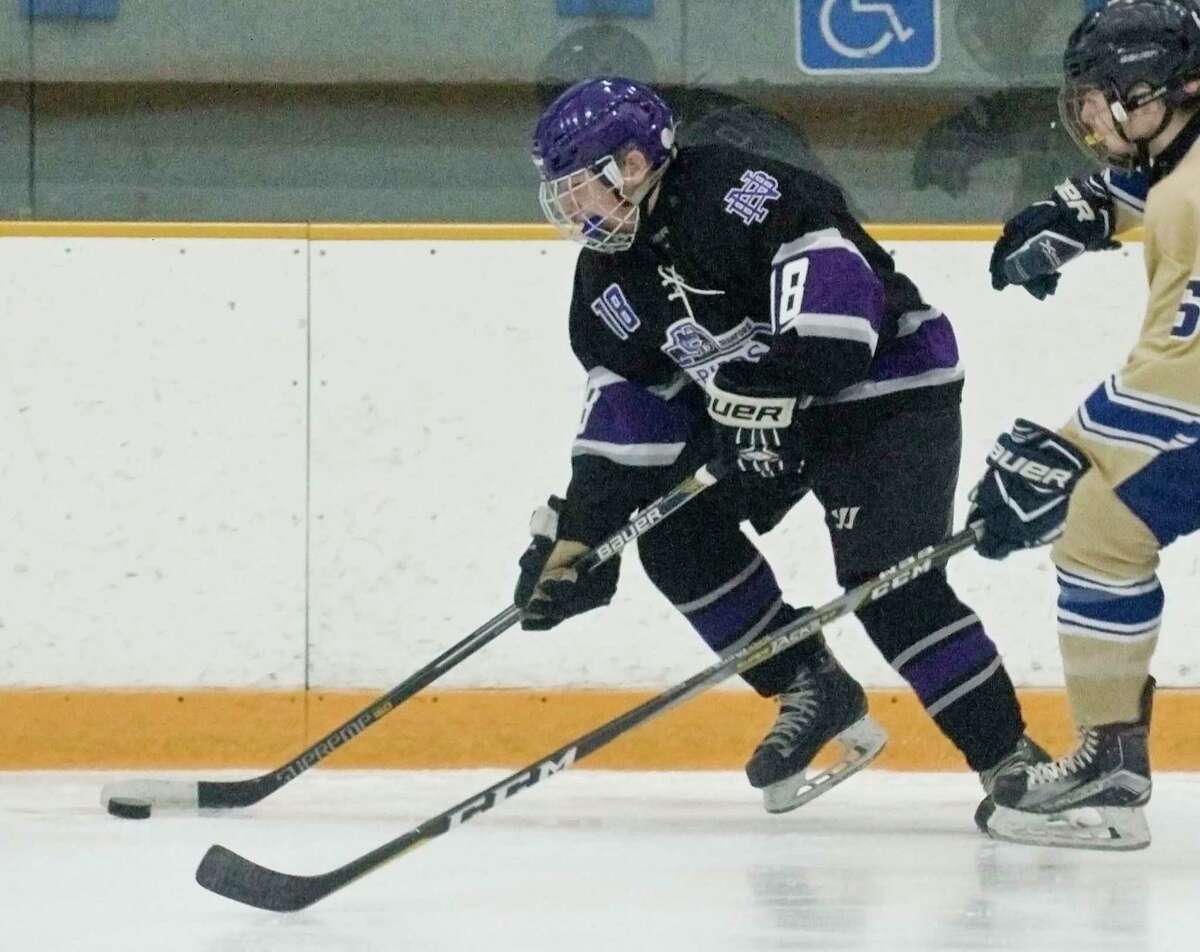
[(939, 646)]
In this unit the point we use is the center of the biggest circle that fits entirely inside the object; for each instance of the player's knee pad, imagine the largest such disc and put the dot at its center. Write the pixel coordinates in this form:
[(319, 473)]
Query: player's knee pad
[(1103, 537)]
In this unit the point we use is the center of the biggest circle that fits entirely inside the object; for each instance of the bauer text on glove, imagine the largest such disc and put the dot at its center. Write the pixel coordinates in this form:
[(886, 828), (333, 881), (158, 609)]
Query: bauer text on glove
[(1023, 496), (754, 429)]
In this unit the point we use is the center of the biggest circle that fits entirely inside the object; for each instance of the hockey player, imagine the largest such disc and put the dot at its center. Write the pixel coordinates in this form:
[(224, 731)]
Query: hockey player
[(1128, 460), (712, 274), (1084, 213)]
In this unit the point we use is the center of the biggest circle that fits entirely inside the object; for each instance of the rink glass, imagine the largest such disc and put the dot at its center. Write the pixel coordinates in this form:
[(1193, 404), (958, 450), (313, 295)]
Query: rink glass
[(361, 111)]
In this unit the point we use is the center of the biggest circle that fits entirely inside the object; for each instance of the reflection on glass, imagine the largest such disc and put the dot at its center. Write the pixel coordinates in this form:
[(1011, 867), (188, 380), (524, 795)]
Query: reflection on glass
[(292, 137)]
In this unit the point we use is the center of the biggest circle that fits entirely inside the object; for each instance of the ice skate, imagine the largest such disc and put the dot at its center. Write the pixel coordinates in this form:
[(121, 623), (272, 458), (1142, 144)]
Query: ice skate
[(1090, 799), (822, 703), (1026, 753)]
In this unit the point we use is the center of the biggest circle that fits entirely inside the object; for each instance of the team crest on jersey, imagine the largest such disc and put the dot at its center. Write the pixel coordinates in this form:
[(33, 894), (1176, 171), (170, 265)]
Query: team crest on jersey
[(749, 202), (614, 309), (700, 354)]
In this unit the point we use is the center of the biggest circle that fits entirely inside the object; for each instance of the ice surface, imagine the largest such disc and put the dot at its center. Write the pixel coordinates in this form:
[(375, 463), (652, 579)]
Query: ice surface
[(614, 861)]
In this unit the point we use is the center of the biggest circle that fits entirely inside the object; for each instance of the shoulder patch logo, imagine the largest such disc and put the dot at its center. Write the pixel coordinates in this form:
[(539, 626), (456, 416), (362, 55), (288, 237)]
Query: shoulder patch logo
[(614, 309), (749, 202)]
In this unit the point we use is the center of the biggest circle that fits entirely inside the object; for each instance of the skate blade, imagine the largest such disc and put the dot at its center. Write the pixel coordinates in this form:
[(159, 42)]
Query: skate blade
[(861, 743), (1084, 828)]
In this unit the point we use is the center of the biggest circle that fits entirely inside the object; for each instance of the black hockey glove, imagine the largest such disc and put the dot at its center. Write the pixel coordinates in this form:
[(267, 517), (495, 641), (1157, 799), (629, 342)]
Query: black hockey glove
[(1022, 498), (1039, 240), (754, 430), (550, 591)]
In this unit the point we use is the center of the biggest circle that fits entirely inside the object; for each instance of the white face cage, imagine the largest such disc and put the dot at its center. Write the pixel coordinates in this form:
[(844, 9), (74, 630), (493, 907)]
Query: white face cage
[(588, 206)]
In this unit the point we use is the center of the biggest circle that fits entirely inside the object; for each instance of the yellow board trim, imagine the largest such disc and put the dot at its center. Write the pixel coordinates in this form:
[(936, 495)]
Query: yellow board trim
[(432, 231), (413, 231), (55, 730), (162, 229)]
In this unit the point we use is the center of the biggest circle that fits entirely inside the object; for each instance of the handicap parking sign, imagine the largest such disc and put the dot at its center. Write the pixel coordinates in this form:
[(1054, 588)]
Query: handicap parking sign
[(866, 36)]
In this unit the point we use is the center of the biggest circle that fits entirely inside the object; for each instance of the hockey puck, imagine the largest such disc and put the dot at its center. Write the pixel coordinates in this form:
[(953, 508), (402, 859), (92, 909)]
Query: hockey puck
[(128, 808)]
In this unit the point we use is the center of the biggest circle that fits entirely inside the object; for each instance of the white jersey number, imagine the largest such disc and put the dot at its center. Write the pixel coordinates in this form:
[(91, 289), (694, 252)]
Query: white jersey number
[(792, 276)]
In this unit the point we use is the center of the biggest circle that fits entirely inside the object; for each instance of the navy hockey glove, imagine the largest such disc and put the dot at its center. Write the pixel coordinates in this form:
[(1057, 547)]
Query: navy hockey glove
[(754, 428), (1022, 498), (1039, 240), (550, 591)]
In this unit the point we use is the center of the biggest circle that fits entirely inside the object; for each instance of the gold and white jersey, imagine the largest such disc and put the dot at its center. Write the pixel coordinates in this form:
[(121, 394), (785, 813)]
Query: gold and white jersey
[(1141, 430), (1151, 405)]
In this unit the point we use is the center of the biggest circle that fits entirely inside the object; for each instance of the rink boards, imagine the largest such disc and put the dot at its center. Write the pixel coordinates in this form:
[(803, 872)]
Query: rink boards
[(243, 461)]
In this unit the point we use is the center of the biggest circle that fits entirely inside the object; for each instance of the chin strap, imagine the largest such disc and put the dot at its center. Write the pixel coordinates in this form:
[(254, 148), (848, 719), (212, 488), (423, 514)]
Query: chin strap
[(1121, 116), (1173, 98), (643, 191)]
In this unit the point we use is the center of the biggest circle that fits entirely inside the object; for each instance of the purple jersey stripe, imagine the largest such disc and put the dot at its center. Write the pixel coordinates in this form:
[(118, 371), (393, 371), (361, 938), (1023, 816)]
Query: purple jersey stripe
[(932, 346), (944, 666), (838, 281), (627, 414), (724, 621)]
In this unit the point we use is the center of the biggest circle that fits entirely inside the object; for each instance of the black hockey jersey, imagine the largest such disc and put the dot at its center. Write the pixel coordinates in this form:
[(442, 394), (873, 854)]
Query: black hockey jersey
[(744, 260)]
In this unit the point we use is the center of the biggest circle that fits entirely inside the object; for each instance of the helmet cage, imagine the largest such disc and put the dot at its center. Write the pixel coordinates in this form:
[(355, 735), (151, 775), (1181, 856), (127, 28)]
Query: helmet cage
[(570, 203)]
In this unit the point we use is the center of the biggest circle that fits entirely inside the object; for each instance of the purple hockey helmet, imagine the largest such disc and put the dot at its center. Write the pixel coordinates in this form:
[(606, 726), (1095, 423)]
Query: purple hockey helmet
[(577, 146)]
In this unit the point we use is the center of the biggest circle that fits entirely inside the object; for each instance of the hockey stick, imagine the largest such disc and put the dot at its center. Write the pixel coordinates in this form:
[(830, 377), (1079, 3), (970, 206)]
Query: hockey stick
[(206, 794), (226, 873)]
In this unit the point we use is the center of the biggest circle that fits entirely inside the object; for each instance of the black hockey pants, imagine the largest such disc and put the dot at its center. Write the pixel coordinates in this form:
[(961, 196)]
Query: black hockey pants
[(886, 482)]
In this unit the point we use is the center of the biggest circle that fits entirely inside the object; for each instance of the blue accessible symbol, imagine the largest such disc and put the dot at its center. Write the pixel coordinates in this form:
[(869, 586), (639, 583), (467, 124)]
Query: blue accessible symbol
[(863, 36)]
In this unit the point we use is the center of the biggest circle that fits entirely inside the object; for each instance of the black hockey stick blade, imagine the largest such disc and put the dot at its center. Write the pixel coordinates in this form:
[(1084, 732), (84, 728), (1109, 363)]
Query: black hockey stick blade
[(216, 794), (234, 876), (227, 874), (224, 872)]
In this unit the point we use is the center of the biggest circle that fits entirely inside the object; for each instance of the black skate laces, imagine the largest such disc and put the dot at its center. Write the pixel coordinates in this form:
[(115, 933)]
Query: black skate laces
[(1064, 767)]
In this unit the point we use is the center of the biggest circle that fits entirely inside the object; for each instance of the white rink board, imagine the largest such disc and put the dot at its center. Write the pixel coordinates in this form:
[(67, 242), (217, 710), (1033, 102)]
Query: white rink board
[(152, 479), (443, 401)]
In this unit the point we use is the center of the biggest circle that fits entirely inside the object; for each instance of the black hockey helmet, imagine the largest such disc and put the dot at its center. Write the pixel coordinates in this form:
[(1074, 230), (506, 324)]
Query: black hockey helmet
[(1132, 52)]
